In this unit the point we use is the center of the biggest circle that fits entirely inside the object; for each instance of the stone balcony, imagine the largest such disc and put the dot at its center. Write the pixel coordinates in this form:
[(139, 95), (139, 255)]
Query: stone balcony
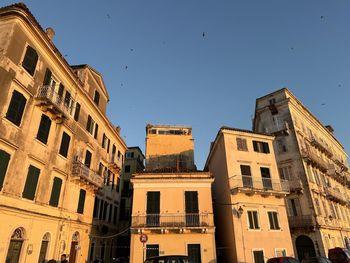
[(295, 185), (279, 129), (311, 157), (49, 100), (336, 195), (115, 164), (304, 221), (321, 146), (84, 174), (258, 185)]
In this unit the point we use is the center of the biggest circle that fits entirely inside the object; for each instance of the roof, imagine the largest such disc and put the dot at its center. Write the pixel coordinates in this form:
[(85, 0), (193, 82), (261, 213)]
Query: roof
[(168, 126), (137, 148), (243, 130)]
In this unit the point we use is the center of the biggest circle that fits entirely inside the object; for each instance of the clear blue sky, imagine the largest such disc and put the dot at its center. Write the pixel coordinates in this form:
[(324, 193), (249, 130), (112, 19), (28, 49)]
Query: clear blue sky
[(177, 76)]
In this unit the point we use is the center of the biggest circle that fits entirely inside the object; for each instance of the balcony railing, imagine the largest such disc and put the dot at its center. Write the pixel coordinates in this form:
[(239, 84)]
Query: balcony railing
[(54, 102), (321, 145), (295, 185), (279, 129), (82, 172), (171, 221), (306, 221), (115, 163), (336, 195), (251, 184), (314, 159)]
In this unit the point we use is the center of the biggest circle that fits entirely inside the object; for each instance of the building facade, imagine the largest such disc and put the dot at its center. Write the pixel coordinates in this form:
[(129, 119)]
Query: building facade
[(172, 200), (250, 213), (311, 158), (52, 118)]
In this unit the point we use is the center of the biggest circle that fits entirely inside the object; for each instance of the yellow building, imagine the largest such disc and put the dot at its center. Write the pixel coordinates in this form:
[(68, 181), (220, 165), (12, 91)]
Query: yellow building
[(250, 214), (314, 162), (53, 150), (172, 202)]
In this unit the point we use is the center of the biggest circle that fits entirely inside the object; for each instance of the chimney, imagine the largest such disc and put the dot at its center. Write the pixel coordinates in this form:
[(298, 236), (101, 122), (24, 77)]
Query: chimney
[(50, 32), (330, 128)]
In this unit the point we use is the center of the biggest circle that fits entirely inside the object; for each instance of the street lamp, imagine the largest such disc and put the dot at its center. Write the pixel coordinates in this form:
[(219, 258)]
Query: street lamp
[(239, 211)]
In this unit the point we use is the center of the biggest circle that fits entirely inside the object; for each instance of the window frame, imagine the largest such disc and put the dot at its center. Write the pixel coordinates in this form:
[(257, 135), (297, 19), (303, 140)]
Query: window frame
[(60, 148), (24, 57), (274, 223), (59, 194), (35, 168), (241, 144), (14, 121), (258, 219), (257, 249)]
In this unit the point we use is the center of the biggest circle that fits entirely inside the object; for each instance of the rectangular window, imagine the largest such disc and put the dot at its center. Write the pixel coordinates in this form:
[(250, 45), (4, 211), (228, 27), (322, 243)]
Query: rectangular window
[(56, 191), (77, 111), (153, 208), (108, 144), (96, 131), (152, 251), (258, 256), (114, 149), (81, 202), (64, 144), (118, 185), (241, 144), (245, 170), (4, 161), (87, 160), (90, 125), (104, 141), (273, 220), (246, 176), (266, 178), (191, 208), (253, 220), (47, 77), (31, 183), (194, 253), (67, 99), (261, 147), (30, 60), (44, 129), (293, 207), (280, 252), (96, 207), (16, 108), (127, 169), (97, 97), (285, 172)]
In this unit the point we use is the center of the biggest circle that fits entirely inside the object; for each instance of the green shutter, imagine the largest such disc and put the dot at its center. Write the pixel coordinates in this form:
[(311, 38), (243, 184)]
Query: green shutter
[(44, 129), (30, 60), (191, 202), (55, 193), (4, 161), (47, 77), (60, 90), (81, 202), (96, 131), (31, 183), (16, 108), (77, 111), (64, 144), (88, 124), (255, 146)]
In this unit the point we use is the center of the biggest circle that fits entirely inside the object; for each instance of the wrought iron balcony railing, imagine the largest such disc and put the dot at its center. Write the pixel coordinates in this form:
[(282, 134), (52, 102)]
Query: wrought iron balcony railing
[(305, 221), (80, 171), (47, 97), (172, 220), (311, 157), (251, 184)]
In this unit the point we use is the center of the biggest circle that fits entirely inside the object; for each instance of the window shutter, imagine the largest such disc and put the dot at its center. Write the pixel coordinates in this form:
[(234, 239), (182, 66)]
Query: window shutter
[(275, 219), (56, 191), (153, 202), (271, 220), (31, 183), (88, 124), (118, 185), (255, 146), (250, 219), (67, 99), (266, 147), (60, 90), (191, 202), (16, 108), (30, 60), (87, 161), (256, 221), (81, 202), (4, 161), (77, 111), (47, 77), (96, 131), (44, 129), (64, 144)]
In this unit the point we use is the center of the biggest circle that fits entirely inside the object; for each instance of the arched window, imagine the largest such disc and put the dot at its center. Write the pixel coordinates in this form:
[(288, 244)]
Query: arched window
[(44, 248), (15, 247)]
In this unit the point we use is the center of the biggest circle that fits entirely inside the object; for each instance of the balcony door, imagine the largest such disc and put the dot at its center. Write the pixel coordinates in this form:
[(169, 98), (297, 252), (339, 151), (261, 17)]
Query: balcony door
[(191, 208), (246, 176), (266, 178), (153, 208)]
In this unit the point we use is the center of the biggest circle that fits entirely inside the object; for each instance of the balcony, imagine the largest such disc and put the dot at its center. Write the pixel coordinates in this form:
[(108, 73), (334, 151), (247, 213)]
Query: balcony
[(279, 129), (305, 221), (335, 173), (171, 221), (321, 146), (252, 185), (81, 172), (336, 195), (340, 163), (312, 158), (115, 164), (49, 100), (295, 185)]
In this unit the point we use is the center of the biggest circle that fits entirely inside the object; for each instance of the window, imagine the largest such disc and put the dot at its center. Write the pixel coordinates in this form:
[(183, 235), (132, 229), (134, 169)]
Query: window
[(272, 101), (44, 129), (241, 144), (258, 256), (118, 185), (280, 252), (110, 213), (67, 99), (31, 183), (281, 145), (253, 220), (293, 207), (16, 108), (114, 149), (105, 205), (153, 208), (266, 179), (64, 144), (245, 170), (273, 220), (56, 191), (90, 124), (81, 202), (246, 176), (152, 251), (104, 141), (96, 131), (194, 253), (261, 147), (127, 169), (191, 208), (285, 172), (77, 111), (87, 160), (129, 155), (30, 60), (47, 77), (4, 161), (96, 207), (108, 144), (97, 97)]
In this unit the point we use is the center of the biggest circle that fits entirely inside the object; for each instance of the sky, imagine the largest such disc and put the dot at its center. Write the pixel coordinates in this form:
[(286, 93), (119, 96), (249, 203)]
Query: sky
[(204, 62)]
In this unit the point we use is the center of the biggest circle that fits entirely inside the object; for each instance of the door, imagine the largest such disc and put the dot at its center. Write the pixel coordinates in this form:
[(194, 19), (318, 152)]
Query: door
[(73, 252), (191, 208), (305, 247), (246, 176), (266, 178), (14, 251), (153, 208), (152, 251), (194, 253), (43, 251)]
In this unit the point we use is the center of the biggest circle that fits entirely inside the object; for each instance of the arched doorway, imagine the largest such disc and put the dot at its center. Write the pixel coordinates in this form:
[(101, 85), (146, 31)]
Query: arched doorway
[(74, 247), (15, 247), (44, 247), (305, 247)]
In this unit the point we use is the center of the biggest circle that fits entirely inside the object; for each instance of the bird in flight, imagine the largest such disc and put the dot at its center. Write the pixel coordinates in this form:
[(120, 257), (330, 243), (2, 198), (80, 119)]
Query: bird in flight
[(323, 104), (322, 17), (126, 67), (108, 16), (203, 35)]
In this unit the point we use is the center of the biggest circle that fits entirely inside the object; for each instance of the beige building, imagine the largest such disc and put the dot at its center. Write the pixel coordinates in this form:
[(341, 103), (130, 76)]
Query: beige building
[(172, 202), (52, 146), (315, 163), (250, 214)]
